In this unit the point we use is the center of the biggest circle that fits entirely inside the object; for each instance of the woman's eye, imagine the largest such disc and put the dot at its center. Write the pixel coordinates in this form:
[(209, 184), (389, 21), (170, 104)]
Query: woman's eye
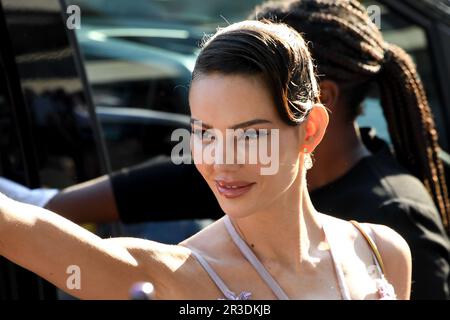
[(255, 134), (197, 133)]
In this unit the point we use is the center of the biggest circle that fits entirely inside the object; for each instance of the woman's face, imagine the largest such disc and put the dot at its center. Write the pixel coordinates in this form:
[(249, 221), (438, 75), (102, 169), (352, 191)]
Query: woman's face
[(222, 102)]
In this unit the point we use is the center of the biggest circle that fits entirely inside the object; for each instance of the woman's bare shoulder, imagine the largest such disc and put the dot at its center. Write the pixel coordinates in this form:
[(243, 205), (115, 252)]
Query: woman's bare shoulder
[(170, 268), (388, 240), (392, 246), (394, 250), (147, 249), (173, 269), (396, 256), (172, 255)]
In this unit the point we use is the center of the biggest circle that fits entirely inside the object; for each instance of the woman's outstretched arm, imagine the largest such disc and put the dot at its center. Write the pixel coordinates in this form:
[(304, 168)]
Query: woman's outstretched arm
[(49, 245)]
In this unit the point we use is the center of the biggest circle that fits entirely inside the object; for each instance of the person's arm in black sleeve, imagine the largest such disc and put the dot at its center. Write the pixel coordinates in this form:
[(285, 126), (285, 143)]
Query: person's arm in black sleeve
[(90, 201), (422, 229), (159, 190)]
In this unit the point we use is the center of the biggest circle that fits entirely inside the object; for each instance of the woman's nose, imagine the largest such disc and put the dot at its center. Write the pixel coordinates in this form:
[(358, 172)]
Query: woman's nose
[(225, 157)]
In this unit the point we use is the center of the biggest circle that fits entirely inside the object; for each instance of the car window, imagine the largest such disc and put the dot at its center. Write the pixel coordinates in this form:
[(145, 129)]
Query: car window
[(48, 134), (398, 30), (11, 167), (61, 126), (11, 164), (142, 55), (139, 59)]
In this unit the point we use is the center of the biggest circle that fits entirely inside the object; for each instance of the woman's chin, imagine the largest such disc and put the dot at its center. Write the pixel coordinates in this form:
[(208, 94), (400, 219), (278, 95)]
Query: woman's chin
[(236, 211), (237, 207), (237, 215)]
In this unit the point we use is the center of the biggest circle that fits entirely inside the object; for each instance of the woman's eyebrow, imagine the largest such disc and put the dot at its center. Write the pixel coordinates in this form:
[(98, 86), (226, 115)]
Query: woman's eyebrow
[(196, 121), (237, 126), (250, 123)]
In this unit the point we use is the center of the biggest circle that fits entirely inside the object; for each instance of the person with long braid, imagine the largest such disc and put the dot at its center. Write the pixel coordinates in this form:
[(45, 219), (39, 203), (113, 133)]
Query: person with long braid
[(350, 51), (355, 174), (351, 56)]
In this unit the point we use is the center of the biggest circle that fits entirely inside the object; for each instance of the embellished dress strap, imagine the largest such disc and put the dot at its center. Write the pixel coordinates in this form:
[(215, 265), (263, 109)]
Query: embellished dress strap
[(345, 292), (372, 245), (385, 289), (254, 261), (229, 295)]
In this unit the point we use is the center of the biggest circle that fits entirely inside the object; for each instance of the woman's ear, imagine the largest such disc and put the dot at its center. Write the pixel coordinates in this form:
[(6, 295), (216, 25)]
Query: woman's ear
[(329, 94), (315, 127)]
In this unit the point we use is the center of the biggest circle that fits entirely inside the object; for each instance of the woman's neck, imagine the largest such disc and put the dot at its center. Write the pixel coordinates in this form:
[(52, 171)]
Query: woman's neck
[(286, 232)]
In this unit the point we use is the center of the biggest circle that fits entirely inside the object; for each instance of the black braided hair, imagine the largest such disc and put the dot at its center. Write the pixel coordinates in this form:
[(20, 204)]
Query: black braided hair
[(349, 49)]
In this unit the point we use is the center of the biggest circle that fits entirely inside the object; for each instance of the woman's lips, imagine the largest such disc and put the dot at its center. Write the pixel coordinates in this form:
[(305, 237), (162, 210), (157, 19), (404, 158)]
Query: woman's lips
[(233, 189)]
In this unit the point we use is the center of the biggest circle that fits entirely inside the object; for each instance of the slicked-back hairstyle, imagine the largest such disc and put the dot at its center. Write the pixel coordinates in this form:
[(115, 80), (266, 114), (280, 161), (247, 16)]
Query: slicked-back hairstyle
[(349, 49), (275, 52)]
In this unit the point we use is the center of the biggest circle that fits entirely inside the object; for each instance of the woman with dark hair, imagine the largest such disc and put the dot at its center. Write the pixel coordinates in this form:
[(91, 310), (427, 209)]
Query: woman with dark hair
[(355, 175), (272, 243)]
